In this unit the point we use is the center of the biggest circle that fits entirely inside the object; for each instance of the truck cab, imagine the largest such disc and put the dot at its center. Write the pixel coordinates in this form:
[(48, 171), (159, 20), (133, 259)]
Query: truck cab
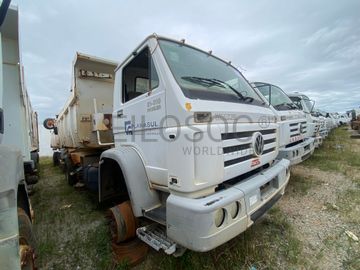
[(314, 122), (294, 143), (195, 147)]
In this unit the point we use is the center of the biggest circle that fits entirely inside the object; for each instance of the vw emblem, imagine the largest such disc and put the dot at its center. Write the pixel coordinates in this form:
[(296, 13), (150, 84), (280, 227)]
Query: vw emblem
[(258, 143)]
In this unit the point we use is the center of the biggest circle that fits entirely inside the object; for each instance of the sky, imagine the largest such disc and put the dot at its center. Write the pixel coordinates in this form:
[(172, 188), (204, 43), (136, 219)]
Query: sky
[(307, 46)]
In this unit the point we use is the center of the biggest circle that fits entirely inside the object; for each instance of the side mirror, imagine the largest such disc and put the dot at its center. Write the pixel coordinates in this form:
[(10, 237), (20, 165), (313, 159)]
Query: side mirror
[(313, 105), (49, 123)]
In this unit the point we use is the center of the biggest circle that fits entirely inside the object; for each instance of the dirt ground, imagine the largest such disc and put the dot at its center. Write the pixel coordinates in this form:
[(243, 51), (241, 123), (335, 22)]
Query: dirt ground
[(314, 226)]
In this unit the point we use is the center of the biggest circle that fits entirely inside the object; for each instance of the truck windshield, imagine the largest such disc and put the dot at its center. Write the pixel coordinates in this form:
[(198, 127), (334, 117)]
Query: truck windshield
[(277, 98), (203, 76), (309, 105)]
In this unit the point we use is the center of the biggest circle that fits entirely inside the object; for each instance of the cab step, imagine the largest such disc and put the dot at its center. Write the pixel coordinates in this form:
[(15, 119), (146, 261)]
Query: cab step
[(157, 214), (155, 236)]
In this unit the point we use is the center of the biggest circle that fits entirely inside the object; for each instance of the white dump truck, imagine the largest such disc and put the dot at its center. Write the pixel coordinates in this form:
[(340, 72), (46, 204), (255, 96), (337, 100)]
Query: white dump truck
[(294, 143), (20, 121), (315, 125), (16, 238), (194, 149)]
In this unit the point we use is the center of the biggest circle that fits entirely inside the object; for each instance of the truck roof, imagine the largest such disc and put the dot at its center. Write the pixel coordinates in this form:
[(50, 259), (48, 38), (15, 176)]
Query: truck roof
[(182, 41)]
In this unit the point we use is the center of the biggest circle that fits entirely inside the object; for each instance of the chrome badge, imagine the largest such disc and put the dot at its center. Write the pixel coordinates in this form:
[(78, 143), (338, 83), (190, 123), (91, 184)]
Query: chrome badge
[(258, 143)]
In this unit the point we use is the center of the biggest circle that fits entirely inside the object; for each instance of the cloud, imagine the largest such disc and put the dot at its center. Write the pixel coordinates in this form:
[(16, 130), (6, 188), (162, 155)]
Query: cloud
[(309, 46)]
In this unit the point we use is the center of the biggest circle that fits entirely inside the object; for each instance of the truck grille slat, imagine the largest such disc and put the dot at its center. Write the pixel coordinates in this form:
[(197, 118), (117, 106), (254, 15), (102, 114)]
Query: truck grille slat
[(237, 160), (240, 147), (234, 135), (237, 146)]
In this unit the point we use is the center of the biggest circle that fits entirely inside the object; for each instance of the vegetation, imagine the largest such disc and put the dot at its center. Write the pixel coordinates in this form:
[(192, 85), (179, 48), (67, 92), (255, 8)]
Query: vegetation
[(72, 232)]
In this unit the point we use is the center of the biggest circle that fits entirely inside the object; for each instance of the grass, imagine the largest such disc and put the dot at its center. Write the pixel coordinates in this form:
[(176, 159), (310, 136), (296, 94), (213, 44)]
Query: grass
[(337, 153), (77, 236), (68, 237)]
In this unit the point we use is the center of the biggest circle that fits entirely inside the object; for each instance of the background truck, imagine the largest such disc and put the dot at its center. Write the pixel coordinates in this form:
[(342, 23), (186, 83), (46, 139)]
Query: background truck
[(193, 159), (316, 125), (294, 143), (16, 238), (355, 119)]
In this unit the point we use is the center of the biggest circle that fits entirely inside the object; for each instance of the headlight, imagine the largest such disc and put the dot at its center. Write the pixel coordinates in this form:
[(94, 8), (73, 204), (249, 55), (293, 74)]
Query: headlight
[(234, 209), (219, 217)]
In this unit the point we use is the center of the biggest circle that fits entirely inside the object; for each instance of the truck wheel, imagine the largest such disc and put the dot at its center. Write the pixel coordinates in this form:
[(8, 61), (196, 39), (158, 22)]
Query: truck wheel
[(122, 222), (70, 179), (26, 241), (56, 159)]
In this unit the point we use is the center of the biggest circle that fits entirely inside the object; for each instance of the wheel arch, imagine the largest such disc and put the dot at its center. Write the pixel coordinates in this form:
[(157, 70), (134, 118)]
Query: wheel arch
[(125, 164)]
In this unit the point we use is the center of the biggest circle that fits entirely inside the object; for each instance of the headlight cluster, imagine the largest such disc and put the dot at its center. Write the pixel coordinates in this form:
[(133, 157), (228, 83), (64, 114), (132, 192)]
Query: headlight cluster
[(232, 210)]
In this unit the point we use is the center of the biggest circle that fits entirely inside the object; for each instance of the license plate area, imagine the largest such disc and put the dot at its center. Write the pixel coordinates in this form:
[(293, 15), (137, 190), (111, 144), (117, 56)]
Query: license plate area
[(267, 188)]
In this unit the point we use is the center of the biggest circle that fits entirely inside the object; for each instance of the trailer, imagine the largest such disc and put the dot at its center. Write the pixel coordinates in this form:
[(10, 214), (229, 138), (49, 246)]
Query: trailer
[(182, 145), (295, 145), (16, 237)]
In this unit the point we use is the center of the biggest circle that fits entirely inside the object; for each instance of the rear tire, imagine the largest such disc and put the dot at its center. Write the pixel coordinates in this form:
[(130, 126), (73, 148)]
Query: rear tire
[(70, 179), (26, 241), (56, 159)]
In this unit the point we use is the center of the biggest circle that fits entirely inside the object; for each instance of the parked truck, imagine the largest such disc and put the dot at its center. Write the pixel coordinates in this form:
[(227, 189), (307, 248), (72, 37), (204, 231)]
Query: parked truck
[(181, 142), (295, 145), (355, 119), (20, 121), (16, 237), (316, 125)]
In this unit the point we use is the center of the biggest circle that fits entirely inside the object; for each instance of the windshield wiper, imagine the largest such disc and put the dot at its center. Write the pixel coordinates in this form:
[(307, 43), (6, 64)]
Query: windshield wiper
[(211, 82), (285, 104), (202, 81), (241, 97), (292, 106)]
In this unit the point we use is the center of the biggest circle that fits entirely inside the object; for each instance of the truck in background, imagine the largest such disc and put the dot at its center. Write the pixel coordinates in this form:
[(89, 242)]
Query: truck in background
[(294, 143), (181, 143), (16, 238), (316, 125), (355, 119)]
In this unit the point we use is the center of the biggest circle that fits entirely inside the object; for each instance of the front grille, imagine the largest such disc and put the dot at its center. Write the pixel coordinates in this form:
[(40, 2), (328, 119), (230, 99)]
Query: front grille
[(237, 146), (297, 129)]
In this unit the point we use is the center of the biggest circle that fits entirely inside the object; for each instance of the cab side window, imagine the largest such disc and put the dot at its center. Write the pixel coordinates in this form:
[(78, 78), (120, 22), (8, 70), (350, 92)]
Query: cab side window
[(139, 76)]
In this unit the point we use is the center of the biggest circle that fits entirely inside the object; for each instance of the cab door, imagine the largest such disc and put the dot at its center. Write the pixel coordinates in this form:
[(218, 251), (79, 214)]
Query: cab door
[(141, 111)]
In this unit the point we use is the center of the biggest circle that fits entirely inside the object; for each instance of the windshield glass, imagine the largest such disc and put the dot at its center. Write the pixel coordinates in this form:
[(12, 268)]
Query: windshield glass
[(202, 76), (277, 98), (309, 104)]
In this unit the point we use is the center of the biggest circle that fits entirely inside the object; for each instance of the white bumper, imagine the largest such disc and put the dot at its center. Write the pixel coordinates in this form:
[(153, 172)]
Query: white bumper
[(298, 153), (190, 222), (318, 141)]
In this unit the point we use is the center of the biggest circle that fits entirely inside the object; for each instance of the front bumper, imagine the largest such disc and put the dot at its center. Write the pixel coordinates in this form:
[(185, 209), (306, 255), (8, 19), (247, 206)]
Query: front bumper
[(318, 141), (298, 153), (324, 133), (191, 222)]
